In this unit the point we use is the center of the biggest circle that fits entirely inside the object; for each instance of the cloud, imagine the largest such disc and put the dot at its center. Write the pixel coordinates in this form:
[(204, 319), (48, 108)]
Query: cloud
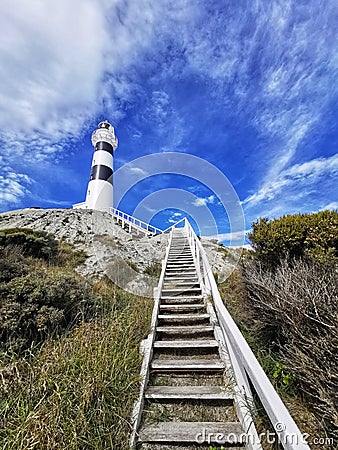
[(13, 187), (331, 206), (50, 64), (203, 201), (274, 63), (235, 236), (57, 73), (138, 171), (299, 176)]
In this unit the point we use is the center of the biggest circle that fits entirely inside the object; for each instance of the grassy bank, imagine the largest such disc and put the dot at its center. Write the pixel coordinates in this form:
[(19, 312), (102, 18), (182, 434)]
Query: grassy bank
[(72, 382)]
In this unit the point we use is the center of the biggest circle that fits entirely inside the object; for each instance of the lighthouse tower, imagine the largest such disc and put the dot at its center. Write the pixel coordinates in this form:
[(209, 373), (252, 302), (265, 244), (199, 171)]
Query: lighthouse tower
[(100, 187)]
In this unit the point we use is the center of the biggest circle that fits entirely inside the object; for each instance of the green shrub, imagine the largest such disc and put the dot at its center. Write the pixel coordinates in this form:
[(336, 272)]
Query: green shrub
[(45, 301), (35, 243), (294, 236), (10, 268)]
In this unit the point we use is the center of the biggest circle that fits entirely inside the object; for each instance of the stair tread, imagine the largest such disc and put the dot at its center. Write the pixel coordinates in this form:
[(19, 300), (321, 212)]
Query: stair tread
[(186, 329), (180, 261), (180, 306), (183, 316), (200, 343), (189, 392), (180, 290), (188, 364), (173, 297), (193, 432)]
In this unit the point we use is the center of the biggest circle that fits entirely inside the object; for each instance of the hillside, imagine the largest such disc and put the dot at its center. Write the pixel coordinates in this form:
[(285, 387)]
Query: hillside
[(127, 259)]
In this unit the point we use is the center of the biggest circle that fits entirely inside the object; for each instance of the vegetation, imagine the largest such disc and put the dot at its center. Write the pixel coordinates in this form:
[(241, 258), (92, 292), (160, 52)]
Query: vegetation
[(37, 244), (311, 236), (285, 302), (154, 270), (69, 350)]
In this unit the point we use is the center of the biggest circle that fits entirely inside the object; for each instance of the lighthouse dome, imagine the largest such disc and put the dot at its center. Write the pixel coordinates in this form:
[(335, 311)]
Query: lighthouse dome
[(105, 124)]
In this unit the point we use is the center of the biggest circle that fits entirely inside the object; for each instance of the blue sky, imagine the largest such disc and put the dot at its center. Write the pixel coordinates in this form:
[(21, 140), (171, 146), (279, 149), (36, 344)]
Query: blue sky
[(249, 86)]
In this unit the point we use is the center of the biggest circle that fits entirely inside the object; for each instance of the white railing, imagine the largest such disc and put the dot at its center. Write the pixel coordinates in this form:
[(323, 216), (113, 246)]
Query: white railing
[(244, 363), (133, 222), (140, 225)]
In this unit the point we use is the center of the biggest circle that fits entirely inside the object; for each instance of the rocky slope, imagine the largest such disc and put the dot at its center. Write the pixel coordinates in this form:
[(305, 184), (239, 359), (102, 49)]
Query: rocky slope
[(111, 250)]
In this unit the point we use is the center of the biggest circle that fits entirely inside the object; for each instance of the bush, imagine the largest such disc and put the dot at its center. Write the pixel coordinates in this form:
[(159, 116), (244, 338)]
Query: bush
[(37, 244), (295, 236), (294, 313), (36, 305)]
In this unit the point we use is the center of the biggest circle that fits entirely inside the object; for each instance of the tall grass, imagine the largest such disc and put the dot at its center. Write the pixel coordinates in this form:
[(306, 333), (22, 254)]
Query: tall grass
[(77, 392)]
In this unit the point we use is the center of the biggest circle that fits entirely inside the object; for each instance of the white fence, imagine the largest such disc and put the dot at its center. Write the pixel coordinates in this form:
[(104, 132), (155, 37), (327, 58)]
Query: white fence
[(133, 223)]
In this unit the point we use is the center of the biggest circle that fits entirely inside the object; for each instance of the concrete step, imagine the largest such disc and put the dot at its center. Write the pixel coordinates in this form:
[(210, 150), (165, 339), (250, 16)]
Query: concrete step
[(208, 393)]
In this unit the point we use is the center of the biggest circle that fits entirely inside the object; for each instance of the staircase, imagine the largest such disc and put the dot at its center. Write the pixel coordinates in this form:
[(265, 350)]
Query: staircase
[(198, 371), (189, 399)]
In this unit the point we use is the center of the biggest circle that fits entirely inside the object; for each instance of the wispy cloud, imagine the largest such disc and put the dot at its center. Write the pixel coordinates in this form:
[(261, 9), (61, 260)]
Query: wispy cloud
[(13, 187), (331, 206), (203, 201), (301, 175)]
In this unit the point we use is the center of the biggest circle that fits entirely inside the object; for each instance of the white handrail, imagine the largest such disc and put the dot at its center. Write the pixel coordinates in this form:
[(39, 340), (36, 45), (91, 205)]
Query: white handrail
[(140, 224), (133, 221), (286, 429)]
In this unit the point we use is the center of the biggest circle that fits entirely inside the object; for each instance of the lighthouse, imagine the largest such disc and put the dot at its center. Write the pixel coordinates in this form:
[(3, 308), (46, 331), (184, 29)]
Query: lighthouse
[(100, 187)]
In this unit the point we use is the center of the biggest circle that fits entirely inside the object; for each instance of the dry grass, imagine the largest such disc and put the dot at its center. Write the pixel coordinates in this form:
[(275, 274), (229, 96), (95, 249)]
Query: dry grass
[(289, 318), (297, 309), (77, 392)]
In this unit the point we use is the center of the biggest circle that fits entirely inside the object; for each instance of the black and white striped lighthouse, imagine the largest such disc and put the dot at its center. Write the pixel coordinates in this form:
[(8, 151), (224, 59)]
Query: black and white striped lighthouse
[(100, 187)]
